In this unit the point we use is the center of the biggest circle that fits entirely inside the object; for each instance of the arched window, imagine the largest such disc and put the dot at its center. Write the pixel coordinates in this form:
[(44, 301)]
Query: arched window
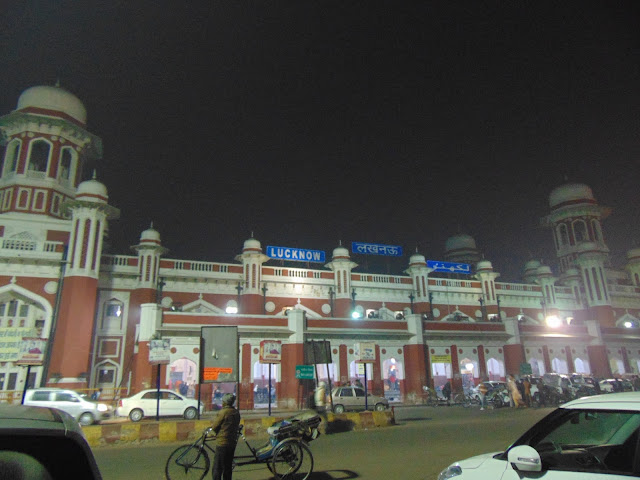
[(597, 232), (563, 236), (580, 231), (39, 156), (67, 162), (112, 315), (11, 156)]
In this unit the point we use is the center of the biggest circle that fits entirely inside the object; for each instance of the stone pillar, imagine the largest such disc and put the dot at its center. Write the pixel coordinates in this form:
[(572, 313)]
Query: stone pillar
[(415, 361), (292, 394), (344, 364), (378, 384), (245, 394)]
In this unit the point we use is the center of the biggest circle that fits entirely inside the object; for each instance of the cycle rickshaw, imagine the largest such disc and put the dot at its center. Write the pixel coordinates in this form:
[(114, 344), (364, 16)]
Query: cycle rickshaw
[(286, 454)]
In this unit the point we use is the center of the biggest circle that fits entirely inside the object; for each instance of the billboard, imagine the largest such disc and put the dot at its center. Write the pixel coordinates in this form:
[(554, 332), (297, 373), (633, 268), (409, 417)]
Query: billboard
[(317, 351), (31, 351), (270, 351), (159, 351), (219, 354), (296, 254), (376, 249), (365, 352), (448, 267)]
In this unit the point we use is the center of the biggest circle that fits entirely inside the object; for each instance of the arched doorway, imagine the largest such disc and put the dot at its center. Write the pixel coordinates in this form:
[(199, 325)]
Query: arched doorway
[(495, 369), (559, 365), (105, 376), (183, 376), (441, 374), (582, 366), (617, 366), (261, 391), (393, 378), (537, 367), (468, 371)]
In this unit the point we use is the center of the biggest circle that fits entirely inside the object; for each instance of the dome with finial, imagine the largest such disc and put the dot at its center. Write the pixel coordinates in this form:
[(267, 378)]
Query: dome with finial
[(92, 191), (340, 252), (150, 235), (417, 259), (252, 245), (571, 193), (53, 99)]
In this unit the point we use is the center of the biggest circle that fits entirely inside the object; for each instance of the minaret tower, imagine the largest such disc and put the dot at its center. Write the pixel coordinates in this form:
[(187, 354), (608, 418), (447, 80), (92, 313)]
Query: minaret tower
[(250, 292), (149, 252), (47, 150), (72, 341), (487, 277), (420, 279), (341, 265), (575, 220)]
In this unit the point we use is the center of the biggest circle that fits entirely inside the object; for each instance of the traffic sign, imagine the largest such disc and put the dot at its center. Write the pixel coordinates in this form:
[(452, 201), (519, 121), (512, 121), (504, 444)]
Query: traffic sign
[(304, 372)]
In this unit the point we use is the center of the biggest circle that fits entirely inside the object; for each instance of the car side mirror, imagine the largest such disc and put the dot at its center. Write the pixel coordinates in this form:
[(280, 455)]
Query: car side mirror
[(525, 459)]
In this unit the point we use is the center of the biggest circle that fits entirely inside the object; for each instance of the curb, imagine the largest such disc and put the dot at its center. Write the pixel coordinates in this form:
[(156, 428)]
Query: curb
[(186, 430)]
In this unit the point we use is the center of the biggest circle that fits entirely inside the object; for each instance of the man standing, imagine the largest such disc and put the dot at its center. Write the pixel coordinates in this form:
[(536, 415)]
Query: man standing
[(226, 427)]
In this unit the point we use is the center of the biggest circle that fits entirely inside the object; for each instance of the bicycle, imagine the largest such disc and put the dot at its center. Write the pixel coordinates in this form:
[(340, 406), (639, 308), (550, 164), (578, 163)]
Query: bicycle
[(286, 452)]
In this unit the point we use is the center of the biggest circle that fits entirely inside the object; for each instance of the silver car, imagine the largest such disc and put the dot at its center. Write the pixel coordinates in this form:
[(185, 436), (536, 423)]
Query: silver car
[(353, 398), (84, 411)]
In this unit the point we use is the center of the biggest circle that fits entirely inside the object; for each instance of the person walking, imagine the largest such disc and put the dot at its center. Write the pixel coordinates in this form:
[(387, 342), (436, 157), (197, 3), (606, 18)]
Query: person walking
[(516, 398), (446, 391), (527, 391), (320, 397), (482, 393), (226, 427)]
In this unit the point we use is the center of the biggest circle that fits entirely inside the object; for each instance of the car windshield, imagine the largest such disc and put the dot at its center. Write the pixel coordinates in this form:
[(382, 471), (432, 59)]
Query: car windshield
[(573, 439)]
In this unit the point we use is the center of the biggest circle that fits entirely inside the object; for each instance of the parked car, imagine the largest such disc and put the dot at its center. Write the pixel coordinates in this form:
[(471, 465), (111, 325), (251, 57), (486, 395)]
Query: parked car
[(145, 404), (611, 385), (589, 438), (353, 398), (37, 442), (85, 411)]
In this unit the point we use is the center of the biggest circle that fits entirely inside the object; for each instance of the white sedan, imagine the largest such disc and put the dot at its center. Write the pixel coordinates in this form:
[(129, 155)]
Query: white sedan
[(145, 404), (591, 438)]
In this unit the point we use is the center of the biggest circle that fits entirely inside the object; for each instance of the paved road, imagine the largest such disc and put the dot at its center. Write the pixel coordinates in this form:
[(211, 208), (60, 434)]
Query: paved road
[(425, 441)]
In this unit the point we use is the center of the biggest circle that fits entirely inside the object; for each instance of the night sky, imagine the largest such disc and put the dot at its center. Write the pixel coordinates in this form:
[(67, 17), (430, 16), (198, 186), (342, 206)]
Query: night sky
[(311, 122)]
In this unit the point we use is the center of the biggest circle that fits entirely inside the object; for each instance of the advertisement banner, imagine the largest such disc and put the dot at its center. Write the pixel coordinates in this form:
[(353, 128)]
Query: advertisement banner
[(317, 352), (365, 352), (11, 340), (31, 351), (270, 351), (219, 354), (159, 351), (440, 358), (376, 249)]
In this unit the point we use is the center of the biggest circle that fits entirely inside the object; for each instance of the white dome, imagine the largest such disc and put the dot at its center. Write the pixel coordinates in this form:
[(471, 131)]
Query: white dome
[(92, 191), (543, 270), (252, 244), (532, 265), (460, 241), (571, 192), (416, 258), (340, 252), (53, 98), (484, 265), (633, 254), (150, 235)]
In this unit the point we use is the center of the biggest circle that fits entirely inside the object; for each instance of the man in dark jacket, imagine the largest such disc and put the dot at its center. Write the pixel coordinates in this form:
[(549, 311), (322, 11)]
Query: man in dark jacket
[(226, 427)]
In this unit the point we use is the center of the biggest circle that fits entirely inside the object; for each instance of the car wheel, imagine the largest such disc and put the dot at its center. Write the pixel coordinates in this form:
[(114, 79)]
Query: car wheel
[(338, 409), (190, 413), (86, 419), (380, 407), (136, 415), (497, 401)]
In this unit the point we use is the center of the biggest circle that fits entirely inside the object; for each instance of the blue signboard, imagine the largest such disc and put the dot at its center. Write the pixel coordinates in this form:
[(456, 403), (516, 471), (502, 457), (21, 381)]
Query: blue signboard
[(449, 267), (375, 249), (296, 254)]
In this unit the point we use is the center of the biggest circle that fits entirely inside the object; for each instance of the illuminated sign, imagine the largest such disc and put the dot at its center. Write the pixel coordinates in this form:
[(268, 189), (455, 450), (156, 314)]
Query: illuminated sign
[(296, 254), (159, 351), (376, 249), (449, 267), (270, 351)]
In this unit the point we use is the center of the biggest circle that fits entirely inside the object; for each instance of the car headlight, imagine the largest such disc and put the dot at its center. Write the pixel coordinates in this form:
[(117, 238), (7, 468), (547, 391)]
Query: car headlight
[(102, 407), (450, 472)]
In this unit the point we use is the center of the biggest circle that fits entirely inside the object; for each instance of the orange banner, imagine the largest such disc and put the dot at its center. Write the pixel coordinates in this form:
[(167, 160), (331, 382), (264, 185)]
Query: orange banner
[(211, 373)]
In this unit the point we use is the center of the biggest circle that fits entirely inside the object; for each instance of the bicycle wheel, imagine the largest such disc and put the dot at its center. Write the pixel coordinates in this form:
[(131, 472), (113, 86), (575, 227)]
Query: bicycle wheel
[(187, 462), (292, 460)]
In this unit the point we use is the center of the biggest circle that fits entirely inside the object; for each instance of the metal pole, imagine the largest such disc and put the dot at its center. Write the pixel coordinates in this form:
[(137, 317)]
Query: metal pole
[(26, 384), (326, 356), (158, 396), (54, 316), (366, 395), (269, 392)]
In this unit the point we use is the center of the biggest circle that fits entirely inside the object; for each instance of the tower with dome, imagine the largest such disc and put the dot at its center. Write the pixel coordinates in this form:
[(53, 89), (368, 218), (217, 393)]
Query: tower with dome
[(98, 312)]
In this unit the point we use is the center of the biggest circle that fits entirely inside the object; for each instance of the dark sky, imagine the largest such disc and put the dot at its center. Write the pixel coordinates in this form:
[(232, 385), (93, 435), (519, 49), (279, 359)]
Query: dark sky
[(310, 122)]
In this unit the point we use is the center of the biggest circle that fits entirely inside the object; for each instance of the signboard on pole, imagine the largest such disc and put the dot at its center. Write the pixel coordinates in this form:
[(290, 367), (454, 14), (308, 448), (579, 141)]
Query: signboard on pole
[(365, 352), (317, 352), (305, 372), (31, 351), (270, 351), (219, 354), (159, 351)]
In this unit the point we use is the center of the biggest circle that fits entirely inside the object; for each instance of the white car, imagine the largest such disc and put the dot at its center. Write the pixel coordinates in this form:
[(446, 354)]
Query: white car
[(86, 412), (145, 404), (591, 438)]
